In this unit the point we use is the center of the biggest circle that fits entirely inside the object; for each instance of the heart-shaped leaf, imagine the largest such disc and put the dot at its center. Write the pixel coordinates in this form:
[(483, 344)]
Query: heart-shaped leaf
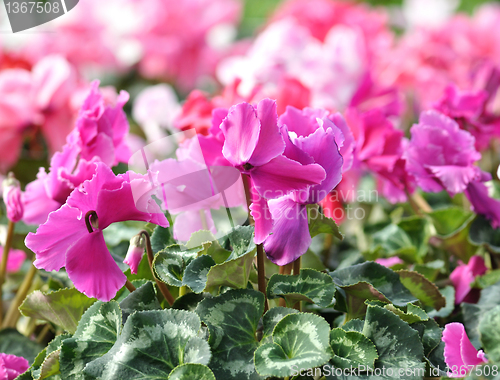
[(271, 319), (300, 340), (141, 299), (96, 334), (310, 285), (63, 307), (319, 223), (351, 349), (421, 288), (232, 319), (191, 371), (490, 334), (398, 345), (151, 345)]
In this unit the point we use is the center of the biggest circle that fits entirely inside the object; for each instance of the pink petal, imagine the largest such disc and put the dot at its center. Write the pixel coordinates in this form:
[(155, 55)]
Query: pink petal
[(290, 237), (259, 210), (281, 175), (92, 269), (15, 260), (37, 204), (241, 129), (321, 146), (270, 143), (133, 257), (12, 366), (477, 266), (389, 262), (61, 230), (452, 337), (191, 221), (461, 278), (454, 178), (482, 203)]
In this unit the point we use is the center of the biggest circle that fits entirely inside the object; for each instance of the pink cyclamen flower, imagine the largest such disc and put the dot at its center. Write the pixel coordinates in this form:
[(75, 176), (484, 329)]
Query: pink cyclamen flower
[(12, 366), (134, 254), (72, 236), (290, 236), (12, 198), (459, 353), (15, 260), (440, 155), (254, 145), (463, 276), (101, 128)]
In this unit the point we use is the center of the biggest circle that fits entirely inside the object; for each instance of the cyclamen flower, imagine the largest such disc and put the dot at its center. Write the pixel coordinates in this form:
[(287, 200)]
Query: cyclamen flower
[(15, 259), (101, 128), (463, 276), (12, 366), (290, 236), (441, 156), (254, 145), (459, 353), (134, 254), (72, 236), (12, 198)]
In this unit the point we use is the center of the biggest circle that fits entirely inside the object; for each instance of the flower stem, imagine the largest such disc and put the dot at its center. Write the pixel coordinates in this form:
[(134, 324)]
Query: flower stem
[(163, 288), (261, 272), (13, 313), (183, 290), (130, 286), (3, 264)]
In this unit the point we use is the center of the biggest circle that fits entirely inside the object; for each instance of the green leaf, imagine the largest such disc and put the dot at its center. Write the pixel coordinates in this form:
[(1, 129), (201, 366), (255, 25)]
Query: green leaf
[(191, 371), (488, 279), (351, 348), (368, 281), (14, 343), (319, 223), (448, 293), (96, 334), (151, 345), (430, 334), (472, 313), (190, 301), (271, 319), (398, 345), (353, 325), (170, 263), (298, 339), (232, 319), (412, 314), (310, 285), (63, 307), (47, 362), (490, 334), (143, 298), (448, 221), (423, 289), (161, 239), (196, 273), (482, 233)]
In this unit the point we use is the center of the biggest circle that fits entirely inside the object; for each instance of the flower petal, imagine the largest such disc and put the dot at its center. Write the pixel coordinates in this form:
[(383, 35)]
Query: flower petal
[(53, 238), (241, 129), (290, 238), (452, 337), (92, 269), (281, 175), (270, 143)]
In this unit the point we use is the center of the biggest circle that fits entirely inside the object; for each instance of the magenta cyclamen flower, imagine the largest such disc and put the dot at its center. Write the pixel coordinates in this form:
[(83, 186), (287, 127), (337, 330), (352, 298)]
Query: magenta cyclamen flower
[(463, 276), (15, 259), (290, 236), (440, 155), (254, 145), (12, 366), (459, 353), (72, 236), (102, 128)]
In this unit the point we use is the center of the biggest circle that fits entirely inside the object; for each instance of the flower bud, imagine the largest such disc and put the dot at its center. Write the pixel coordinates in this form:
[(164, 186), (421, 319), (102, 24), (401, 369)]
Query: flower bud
[(12, 198), (134, 253)]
